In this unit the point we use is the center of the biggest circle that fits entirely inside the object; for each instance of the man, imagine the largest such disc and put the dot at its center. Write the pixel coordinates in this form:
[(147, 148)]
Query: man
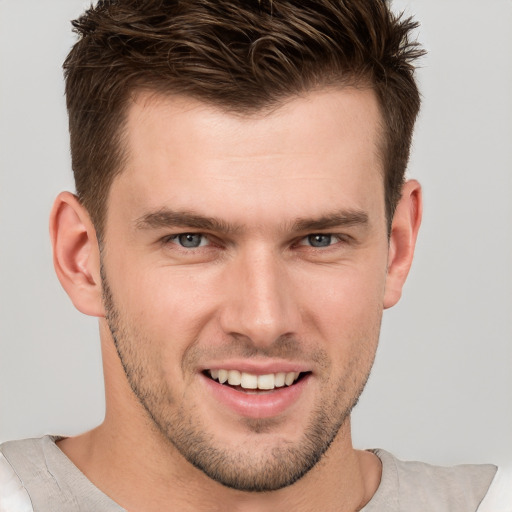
[(241, 221)]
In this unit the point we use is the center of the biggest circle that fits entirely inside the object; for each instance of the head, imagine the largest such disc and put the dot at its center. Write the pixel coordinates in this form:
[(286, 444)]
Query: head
[(244, 57), (241, 213)]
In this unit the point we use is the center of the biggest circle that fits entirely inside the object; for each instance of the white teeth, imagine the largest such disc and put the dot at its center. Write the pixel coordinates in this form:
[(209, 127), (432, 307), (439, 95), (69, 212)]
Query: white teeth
[(234, 377), (289, 378), (279, 379), (266, 381), (251, 381)]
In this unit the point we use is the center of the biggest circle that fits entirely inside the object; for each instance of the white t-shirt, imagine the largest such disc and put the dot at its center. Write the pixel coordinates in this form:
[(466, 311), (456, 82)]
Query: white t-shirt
[(36, 475)]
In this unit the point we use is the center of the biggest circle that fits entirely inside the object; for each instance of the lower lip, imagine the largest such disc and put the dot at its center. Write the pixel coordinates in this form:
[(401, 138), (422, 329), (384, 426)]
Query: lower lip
[(267, 404)]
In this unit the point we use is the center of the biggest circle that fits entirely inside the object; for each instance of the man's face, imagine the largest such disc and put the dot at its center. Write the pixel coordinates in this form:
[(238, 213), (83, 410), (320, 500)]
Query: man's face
[(253, 249)]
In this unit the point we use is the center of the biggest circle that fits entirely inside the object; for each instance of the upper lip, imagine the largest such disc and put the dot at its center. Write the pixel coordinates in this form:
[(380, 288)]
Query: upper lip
[(258, 367)]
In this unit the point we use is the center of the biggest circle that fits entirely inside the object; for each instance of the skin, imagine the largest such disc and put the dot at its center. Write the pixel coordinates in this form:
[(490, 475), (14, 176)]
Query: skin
[(254, 293)]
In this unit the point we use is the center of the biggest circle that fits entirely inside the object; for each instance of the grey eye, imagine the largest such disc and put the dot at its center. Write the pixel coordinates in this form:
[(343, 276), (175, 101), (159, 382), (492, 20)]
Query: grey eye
[(320, 240), (190, 240)]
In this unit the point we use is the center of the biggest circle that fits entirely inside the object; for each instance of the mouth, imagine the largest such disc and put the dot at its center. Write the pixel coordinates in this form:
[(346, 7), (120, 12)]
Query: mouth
[(257, 393), (252, 383)]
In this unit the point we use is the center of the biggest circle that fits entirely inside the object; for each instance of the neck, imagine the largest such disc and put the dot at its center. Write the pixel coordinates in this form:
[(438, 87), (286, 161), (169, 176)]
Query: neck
[(150, 475), (130, 460)]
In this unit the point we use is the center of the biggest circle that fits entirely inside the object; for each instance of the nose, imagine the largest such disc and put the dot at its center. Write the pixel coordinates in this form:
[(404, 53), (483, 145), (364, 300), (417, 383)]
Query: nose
[(260, 303)]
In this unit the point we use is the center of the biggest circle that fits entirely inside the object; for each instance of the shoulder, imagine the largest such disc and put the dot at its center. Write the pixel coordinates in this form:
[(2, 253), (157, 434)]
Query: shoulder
[(412, 485), (23, 467), (13, 495), (499, 496), (40, 477), (26, 455)]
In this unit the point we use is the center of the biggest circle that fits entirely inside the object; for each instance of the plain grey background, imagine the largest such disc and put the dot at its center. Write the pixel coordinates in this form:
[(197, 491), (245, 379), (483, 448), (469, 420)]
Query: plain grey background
[(441, 389)]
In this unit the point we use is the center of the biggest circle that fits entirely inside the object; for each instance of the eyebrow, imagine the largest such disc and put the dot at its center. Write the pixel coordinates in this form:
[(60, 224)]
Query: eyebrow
[(346, 218), (166, 218)]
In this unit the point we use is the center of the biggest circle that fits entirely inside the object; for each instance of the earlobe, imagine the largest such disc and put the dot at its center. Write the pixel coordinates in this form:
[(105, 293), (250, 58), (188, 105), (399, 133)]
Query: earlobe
[(76, 254), (404, 231)]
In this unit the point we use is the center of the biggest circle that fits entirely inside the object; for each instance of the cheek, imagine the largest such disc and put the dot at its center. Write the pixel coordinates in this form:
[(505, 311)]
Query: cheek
[(346, 299), (167, 303)]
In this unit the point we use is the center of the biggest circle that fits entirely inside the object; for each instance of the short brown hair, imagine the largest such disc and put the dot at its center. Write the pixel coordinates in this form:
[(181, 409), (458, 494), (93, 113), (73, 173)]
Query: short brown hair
[(242, 55)]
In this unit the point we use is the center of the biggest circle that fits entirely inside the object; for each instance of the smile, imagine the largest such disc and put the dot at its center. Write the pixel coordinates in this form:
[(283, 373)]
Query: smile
[(251, 381), (250, 393)]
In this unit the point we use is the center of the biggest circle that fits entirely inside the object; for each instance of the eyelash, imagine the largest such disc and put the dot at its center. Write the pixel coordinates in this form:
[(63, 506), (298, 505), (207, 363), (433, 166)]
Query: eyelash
[(172, 239), (338, 238)]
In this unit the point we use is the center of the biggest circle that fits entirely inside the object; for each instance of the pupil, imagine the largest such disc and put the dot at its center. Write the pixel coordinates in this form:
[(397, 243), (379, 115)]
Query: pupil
[(190, 240), (319, 240)]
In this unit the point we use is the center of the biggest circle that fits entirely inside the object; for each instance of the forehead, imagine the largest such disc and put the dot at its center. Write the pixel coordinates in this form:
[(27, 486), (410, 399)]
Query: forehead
[(183, 153), (318, 117)]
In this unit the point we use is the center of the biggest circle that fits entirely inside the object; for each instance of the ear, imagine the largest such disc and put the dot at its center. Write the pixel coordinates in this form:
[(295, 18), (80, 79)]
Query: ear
[(404, 231), (76, 255)]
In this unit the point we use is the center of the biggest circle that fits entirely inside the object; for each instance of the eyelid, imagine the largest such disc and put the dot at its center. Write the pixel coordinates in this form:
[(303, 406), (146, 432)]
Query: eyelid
[(174, 237), (213, 240), (338, 238)]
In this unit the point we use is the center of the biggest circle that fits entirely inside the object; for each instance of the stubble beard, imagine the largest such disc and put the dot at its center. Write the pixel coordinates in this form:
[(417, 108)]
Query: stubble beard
[(243, 470)]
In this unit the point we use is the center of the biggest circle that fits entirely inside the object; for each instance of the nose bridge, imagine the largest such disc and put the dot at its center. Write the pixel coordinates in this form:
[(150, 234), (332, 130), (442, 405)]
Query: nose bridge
[(260, 305)]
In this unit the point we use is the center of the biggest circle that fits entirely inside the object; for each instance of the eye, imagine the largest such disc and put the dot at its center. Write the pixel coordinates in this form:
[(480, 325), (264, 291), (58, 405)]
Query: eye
[(189, 240), (320, 240)]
